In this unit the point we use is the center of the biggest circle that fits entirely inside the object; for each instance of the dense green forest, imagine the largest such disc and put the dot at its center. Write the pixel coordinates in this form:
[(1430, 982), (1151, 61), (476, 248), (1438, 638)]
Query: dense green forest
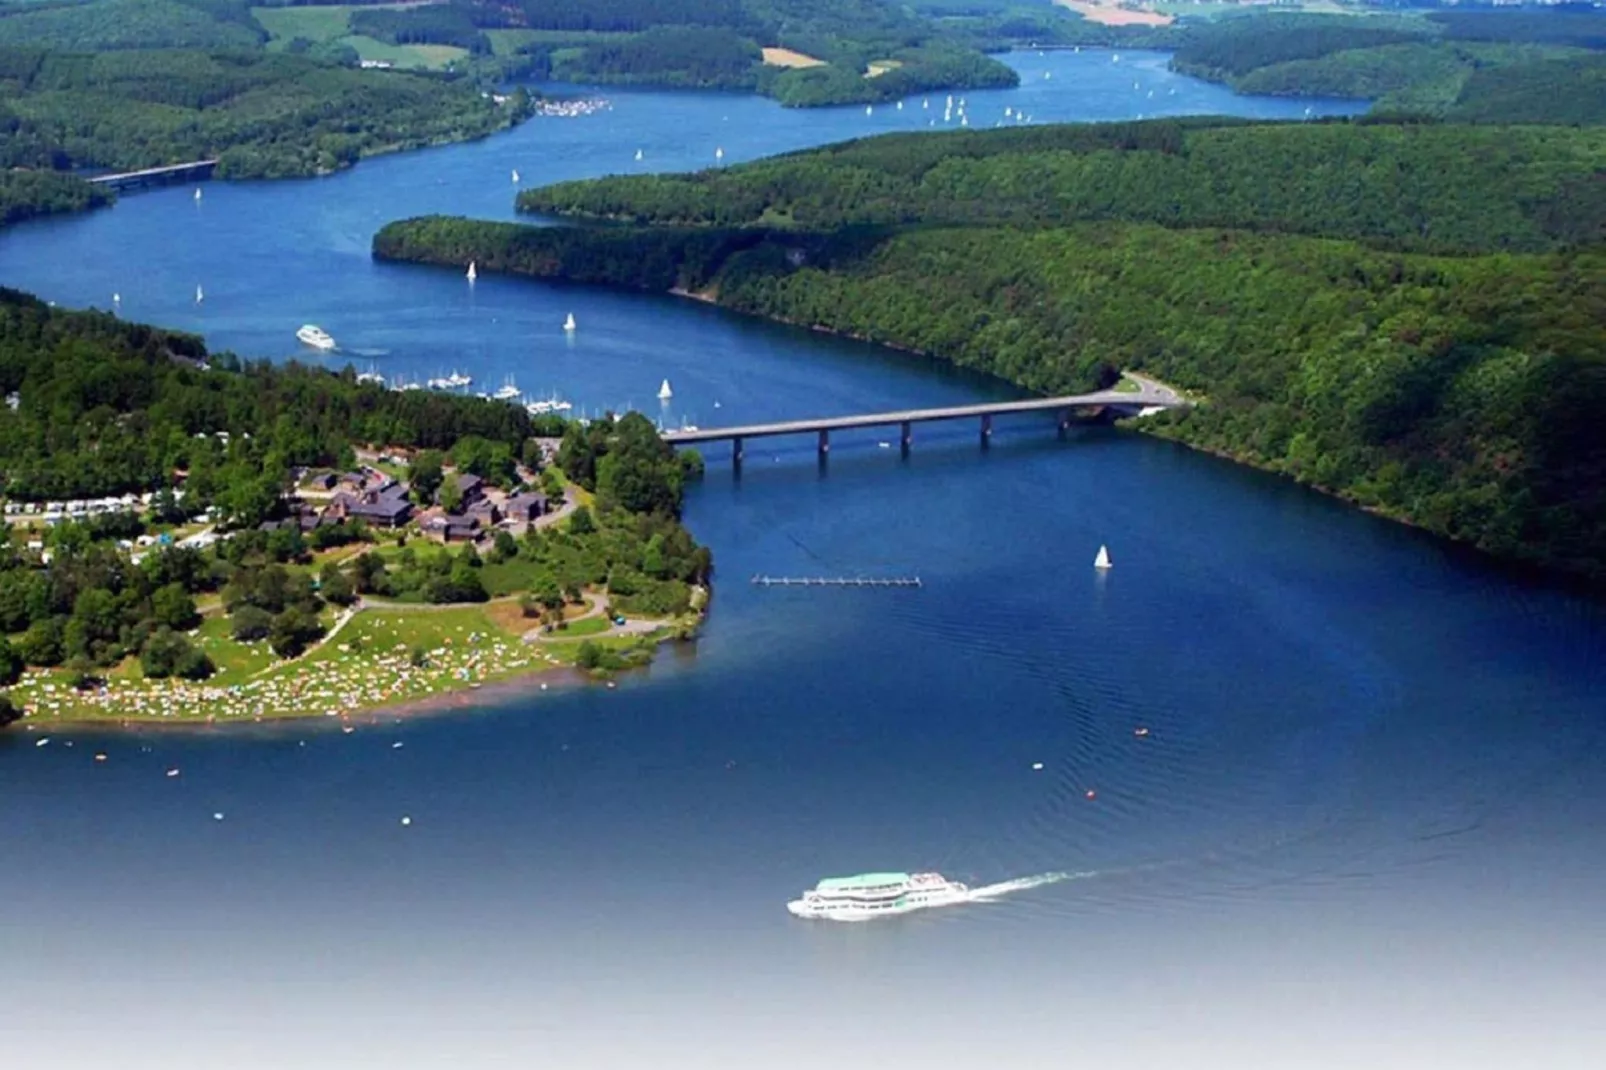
[(104, 25), (1415, 186), (264, 115), (1462, 393), (106, 407), (1443, 64), (25, 194)]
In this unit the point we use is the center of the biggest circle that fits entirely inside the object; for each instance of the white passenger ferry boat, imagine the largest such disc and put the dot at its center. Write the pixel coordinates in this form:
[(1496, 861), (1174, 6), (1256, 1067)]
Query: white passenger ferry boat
[(315, 336), (877, 895)]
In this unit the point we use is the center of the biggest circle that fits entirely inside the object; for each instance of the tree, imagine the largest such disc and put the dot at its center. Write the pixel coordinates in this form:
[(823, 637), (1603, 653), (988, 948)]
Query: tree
[(425, 475), (368, 574), (335, 587), (249, 623), (172, 607), (451, 494), (10, 712), (10, 663), (293, 631), (169, 653), (41, 644), (581, 522)]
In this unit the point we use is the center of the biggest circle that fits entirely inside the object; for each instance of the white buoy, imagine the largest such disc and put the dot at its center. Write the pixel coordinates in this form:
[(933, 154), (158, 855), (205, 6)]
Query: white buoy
[(1103, 559), (217, 815), (407, 821), (172, 772), (1037, 765)]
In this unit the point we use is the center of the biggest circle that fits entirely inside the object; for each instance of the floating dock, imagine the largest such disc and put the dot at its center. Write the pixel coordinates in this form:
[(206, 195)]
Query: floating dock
[(836, 581)]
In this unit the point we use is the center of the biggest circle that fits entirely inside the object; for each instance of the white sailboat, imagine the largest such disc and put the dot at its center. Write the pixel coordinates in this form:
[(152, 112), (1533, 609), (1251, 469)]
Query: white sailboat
[(569, 323), (515, 176), (638, 154), (719, 154), (664, 393), (197, 192), (472, 274), (869, 109), (199, 296), (1102, 561)]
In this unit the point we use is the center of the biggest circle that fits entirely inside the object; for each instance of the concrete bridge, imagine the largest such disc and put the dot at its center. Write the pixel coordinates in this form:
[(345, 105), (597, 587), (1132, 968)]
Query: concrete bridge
[(1148, 395), (157, 176)]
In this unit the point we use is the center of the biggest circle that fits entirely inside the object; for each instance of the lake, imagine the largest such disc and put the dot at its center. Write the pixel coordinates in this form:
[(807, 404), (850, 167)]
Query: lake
[(1365, 821)]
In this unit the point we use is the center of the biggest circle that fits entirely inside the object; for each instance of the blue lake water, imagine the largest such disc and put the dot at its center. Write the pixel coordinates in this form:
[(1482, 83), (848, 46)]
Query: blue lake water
[(1366, 822)]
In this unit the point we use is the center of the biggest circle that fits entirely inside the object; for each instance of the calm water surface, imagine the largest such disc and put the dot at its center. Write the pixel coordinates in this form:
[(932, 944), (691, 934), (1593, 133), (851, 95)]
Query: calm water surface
[(1366, 822)]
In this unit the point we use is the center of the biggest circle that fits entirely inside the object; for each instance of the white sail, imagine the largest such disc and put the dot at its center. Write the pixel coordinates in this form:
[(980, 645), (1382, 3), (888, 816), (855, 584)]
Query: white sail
[(569, 324), (515, 175), (1103, 559), (638, 154), (472, 274), (719, 154), (197, 192), (199, 296), (664, 393)]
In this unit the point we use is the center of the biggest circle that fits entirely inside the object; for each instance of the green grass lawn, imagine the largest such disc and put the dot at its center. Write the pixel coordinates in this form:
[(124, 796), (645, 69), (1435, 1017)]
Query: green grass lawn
[(428, 57), (316, 24)]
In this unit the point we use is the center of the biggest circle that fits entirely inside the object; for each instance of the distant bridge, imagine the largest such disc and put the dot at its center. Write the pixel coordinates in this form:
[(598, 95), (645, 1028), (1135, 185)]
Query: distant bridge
[(157, 176), (1148, 395)]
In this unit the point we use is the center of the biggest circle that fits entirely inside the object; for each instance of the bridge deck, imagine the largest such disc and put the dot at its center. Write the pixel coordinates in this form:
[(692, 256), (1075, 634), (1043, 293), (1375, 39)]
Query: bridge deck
[(1143, 398), (152, 172)]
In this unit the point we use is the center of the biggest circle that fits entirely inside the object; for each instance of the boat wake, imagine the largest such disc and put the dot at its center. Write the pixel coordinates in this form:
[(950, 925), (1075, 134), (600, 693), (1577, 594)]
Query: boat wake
[(989, 892)]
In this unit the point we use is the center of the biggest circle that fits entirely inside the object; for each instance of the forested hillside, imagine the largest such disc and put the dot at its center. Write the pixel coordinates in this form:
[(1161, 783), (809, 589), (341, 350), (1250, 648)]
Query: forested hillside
[(107, 407), (104, 25), (1413, 186), (265, 115), (1462, 393), (1435, 65)]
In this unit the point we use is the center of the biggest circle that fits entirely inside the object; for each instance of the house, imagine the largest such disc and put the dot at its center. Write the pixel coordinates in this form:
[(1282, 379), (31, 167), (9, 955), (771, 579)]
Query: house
[(524, 508), (485, 512), (387, 508), (326, 481), (450, 528)]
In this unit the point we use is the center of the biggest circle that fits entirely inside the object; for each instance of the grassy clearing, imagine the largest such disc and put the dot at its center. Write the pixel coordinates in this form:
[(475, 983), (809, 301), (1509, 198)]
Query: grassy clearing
[(316, 24), (785, 57), (881, 66), (425, 57)]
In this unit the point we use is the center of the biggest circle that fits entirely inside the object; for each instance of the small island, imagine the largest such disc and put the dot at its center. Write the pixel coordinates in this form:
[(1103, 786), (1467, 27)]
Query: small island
[(318, 546)]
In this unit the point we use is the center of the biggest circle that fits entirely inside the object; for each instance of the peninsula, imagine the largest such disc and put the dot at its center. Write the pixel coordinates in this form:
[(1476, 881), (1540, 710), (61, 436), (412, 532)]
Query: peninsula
[(192, 539), (1405, 315)]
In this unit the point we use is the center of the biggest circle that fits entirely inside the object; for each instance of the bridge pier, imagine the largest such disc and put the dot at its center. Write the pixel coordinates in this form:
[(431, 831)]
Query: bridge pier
[(986, 429), (825, 442), (736, 452), (1065, 423), (906, 437)]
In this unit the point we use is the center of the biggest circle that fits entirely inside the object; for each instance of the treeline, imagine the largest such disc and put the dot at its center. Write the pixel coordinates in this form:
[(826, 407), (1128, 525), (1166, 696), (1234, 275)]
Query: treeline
[(1230, 48), (1555, 91), (107, 407), (25, 194), (263, 115), (432, 24), (670, 55), (1407, 185)]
